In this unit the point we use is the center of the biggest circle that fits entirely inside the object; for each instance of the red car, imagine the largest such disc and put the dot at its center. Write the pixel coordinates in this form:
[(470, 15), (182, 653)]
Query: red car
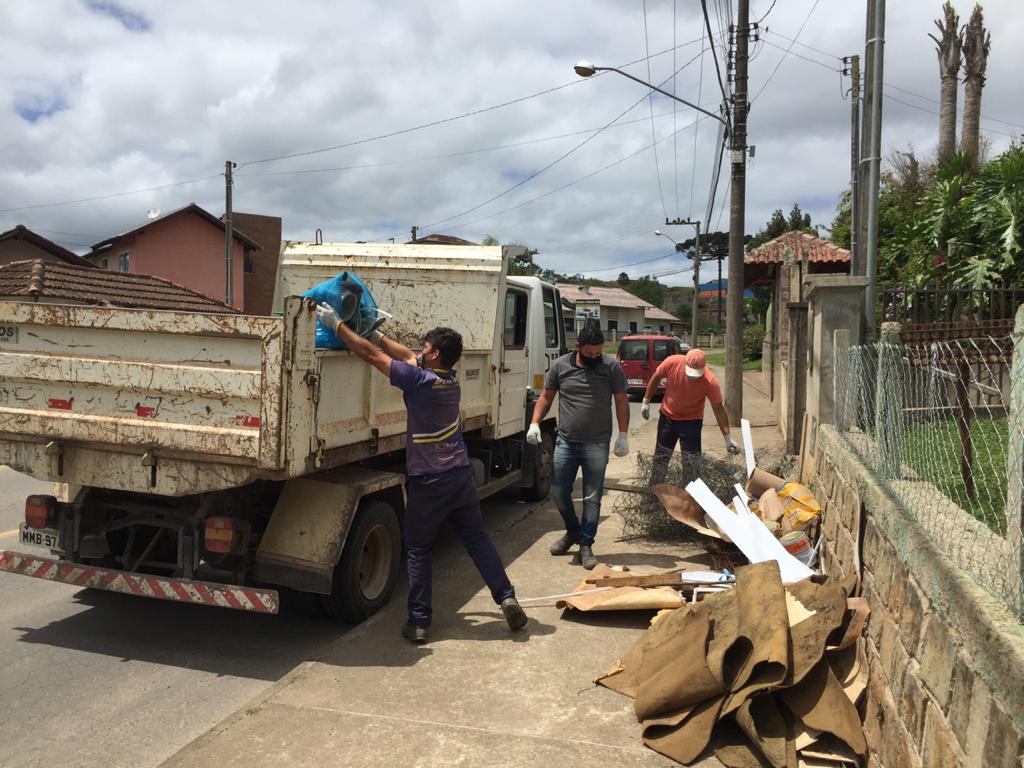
[(641, 355)]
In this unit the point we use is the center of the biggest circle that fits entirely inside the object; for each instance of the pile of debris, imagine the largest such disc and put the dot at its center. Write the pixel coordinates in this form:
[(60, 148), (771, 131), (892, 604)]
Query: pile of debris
[(762, 674), (643, 516)]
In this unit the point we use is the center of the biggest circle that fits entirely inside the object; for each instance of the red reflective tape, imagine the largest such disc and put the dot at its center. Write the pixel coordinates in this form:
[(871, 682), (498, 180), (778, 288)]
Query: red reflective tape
[(181, 592), (204, 593), (143, 411), (248, 421), (43, 570), (256, 600), (232, 600), (84, 576), (63, 405), (158, 591)]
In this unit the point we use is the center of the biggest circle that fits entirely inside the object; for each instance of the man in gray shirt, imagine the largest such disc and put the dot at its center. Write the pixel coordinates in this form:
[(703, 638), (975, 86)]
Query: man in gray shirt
[(585, 381)]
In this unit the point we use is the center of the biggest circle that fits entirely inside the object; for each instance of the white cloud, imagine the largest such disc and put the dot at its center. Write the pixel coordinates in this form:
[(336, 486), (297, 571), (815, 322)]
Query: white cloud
[(171, 97)]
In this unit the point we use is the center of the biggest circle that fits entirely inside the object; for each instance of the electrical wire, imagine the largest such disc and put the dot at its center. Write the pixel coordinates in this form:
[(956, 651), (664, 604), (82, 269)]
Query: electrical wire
[(714, 56), (650, 105), (780, 61), (933, 112), (675, 105), (554, 162), (627, 266), (805, 58), (765, 16), (110, 196), (696, 132)]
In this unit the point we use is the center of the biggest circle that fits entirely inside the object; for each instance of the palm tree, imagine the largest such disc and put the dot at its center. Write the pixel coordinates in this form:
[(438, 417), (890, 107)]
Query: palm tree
[(948, 48), (977, 43)]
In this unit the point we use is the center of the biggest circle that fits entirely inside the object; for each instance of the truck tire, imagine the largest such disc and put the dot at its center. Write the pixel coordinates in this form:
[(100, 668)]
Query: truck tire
[(541, 486), (365, 576)]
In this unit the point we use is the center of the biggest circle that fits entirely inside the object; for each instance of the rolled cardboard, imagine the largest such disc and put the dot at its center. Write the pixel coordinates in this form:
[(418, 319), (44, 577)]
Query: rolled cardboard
[(760, 481)]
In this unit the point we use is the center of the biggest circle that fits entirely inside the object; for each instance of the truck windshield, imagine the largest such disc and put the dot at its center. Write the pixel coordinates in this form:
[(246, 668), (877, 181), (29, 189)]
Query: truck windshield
[(633, 350)]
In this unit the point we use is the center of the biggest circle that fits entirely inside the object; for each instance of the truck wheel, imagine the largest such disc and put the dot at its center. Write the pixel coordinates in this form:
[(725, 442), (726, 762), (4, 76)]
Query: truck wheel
[(365, 576), (542, 477)]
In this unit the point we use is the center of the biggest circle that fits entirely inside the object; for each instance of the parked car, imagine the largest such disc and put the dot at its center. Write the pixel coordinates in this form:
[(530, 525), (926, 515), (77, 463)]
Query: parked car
[(640, 356)]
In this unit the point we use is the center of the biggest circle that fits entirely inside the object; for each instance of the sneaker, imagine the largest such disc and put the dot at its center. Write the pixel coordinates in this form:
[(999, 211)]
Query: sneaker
[(414, 633), (514, 614), (565, 543), (586, 557)]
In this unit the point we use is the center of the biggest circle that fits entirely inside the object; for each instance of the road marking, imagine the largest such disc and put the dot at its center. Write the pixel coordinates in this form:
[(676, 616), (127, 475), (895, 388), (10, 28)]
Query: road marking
[(8, 533)]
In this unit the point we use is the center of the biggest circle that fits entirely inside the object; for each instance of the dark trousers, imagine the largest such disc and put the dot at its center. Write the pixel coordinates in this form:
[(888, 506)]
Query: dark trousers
[(432, 499), (685, 432)]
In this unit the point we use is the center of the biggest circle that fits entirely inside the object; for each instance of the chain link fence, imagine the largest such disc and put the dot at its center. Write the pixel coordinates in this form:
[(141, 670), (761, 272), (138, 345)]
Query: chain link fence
[(942, 426)]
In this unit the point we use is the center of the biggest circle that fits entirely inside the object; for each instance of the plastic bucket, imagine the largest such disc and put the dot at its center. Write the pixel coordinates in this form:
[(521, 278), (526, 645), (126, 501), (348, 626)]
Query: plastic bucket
[(798, 545)]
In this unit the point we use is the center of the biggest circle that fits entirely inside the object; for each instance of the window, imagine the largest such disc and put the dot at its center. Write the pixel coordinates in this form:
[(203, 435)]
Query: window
[(613, 325), (632, 327), (123, 262), (515, 320), (550, 319), (104, 263), (633, 349), (247, 267), (570, 324), (662, 349)]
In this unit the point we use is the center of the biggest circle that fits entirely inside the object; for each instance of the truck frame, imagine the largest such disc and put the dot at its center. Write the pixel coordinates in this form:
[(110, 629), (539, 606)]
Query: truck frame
[(220, 459)]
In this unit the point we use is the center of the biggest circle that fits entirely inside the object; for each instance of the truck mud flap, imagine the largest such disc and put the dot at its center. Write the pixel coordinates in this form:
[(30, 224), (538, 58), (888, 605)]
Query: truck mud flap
[(141, 585)]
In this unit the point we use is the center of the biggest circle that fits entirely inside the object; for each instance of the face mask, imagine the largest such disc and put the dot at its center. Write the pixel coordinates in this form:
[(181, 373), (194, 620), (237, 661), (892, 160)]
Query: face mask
[(590, 362)]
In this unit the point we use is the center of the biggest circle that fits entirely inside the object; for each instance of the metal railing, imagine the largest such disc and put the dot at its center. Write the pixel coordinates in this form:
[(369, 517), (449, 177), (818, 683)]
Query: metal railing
[(909, 304)]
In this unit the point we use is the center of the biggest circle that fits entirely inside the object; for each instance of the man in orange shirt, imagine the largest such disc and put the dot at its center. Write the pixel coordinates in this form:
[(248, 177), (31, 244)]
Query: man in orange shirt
[(688, 382)]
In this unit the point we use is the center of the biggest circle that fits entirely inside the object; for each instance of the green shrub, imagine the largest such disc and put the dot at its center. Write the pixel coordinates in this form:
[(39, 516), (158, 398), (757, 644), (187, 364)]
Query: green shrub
[(753, 337)]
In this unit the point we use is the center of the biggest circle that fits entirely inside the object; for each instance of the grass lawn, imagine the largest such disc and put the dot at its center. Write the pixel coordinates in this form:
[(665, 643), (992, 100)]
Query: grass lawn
[(932, 449), (718, 359)]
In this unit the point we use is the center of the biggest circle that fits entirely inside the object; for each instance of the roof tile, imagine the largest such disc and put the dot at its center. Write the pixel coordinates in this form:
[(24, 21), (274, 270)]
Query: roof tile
[(801, 245)]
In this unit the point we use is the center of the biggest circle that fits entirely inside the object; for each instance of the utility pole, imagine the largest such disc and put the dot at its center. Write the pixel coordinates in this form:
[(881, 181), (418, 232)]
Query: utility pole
[(229, 237), (737, 212), (414, 231), (718, 299), (696, 275), (855, 243), (874, 54)]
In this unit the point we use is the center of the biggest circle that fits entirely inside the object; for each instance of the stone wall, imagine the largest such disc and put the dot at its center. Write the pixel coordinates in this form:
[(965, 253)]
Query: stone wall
[(946, 659)]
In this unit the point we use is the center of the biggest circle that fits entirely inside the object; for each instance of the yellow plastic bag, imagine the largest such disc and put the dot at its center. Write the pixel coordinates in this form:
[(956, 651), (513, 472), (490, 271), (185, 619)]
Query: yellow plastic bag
[(799, 507)]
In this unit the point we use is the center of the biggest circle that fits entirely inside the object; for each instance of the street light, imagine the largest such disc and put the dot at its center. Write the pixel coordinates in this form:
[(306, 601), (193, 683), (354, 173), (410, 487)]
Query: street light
[(696, 278), (584, 68)]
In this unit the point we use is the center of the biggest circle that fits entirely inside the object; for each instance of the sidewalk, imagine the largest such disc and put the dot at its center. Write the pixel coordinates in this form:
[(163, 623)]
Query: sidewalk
[(475, 695)]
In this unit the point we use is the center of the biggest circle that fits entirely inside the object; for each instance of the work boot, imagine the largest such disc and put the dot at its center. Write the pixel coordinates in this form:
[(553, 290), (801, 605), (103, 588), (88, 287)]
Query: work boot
[(415, 633), (585, 557), (565, 543), (514, 614)]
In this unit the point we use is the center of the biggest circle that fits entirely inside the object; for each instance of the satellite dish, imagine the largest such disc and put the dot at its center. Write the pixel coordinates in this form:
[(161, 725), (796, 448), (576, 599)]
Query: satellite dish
[(153, 213)]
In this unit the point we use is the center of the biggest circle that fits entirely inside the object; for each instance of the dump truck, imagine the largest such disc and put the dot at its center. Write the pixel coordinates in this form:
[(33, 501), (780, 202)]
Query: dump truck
[(225, 460)]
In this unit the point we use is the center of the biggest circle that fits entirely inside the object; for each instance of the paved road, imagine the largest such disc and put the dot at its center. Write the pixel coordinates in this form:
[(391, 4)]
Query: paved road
[(97, 679)]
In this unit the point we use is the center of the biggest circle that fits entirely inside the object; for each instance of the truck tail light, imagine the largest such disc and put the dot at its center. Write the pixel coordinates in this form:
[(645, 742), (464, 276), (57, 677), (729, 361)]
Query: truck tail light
[(224, 535), (41, 511)]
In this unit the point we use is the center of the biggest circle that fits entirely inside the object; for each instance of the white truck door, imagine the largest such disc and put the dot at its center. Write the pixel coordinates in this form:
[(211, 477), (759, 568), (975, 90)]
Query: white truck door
[(514, 372)]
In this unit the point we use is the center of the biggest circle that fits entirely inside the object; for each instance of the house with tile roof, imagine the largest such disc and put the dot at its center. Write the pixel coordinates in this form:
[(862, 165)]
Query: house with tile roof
[(781, 265), (21, 244), (617, 311), (186, 247), (48, 282)]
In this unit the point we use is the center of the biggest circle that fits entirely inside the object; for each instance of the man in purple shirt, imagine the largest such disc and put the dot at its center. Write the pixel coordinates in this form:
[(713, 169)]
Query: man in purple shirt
[(441, 484)]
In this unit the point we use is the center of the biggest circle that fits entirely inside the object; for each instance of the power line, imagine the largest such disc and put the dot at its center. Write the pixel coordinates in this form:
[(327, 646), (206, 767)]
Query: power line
[(675, 104), (933, 112), (554, 162), (779, 64), (714, 55), (603, 240), (696, 131), (801, 56), (650, 104), (447, 155), (627, 266), (110, 196), (765, 16)]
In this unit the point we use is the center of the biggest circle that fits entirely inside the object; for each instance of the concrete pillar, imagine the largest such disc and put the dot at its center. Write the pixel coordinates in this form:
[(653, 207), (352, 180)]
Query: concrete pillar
[(842, 394), (796, 384), (889, 403), (1015, 465)]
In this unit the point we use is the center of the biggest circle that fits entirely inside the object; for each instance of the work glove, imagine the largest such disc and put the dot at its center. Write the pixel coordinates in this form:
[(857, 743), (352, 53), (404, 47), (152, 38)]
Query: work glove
[(621, 444), (645, 409), (731, 446), (533, 434), (327, 316)]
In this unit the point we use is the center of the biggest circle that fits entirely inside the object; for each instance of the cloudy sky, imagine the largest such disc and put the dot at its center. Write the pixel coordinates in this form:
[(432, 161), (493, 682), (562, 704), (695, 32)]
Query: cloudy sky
[(365, 118)]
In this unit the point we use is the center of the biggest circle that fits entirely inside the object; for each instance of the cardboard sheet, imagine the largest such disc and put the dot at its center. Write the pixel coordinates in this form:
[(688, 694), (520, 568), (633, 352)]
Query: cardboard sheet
[(620, 598)]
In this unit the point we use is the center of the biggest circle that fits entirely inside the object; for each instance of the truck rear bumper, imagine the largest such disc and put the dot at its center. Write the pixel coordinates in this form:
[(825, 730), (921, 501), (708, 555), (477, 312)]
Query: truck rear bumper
[(141, 585)]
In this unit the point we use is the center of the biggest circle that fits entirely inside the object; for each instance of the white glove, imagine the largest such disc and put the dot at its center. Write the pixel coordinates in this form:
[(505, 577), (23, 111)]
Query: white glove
[(533, 434), (730, 446), (645, 409), (327, 316), (621, 444)]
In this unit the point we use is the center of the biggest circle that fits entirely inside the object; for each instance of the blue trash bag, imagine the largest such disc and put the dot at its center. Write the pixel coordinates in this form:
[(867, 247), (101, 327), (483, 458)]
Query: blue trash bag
[(353, 302)]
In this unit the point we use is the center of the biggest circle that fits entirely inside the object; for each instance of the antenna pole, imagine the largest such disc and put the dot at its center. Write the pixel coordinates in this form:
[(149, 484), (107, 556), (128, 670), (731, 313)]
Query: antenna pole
[(229, 237)]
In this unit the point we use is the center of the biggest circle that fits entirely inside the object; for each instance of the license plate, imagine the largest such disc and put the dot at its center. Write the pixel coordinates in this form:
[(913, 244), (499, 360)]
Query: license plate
[(635, 382), (8, 334), (40, 537)]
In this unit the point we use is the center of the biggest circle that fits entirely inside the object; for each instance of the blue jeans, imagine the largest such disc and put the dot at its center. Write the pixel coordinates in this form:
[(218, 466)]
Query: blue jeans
[(566, 463), (686, 432)]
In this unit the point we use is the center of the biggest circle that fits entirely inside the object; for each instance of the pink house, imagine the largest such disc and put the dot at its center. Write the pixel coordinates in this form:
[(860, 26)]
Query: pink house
[(186, 247)]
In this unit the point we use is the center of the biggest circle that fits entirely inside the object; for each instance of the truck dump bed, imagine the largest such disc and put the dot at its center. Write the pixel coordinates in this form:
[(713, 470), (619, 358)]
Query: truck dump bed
[(180, 403)]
